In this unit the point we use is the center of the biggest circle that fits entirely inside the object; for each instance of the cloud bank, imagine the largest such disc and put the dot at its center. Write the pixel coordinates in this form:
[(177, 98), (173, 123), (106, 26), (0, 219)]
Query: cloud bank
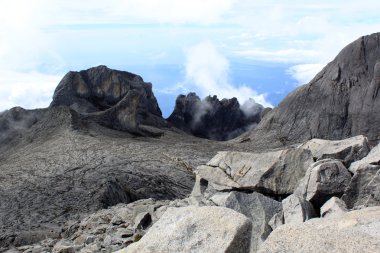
[(208, 71), (28, 90)]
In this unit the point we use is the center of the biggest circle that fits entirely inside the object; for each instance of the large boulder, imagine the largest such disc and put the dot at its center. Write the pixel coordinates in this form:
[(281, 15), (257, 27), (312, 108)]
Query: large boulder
[(364, 187), (323, 180), (274, 172), (347, 150), (373, 157), (197, 229), (340, 102), (214, 119), (255, 206), (116, 99), (356, 231)]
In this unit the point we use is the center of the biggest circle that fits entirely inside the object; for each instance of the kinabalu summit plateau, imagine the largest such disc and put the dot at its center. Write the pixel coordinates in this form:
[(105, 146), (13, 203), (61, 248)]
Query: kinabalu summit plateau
[(101, 170)]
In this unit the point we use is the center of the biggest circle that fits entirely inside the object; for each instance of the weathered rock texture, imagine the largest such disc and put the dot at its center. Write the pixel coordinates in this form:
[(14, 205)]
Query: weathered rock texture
[(333, 207), (297, 210), (347, 150), (275, 172), (340, 102), (356, 231), (197, 229), (106, 230), (63, 167), (255, 206), (13, 123), (116, 99), (323, 180), (372, 158), (364, 188), (215, 119)]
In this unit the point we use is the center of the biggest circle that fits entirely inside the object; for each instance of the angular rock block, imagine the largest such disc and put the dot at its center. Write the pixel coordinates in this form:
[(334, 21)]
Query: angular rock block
[(325, 179), (347, 150), (297, 210), (255, 206), (274, 172), (373, 158), (333, 207), (364, 188)]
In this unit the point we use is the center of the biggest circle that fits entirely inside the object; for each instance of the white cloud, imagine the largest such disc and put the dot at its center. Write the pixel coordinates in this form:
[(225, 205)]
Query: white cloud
[(24, 49), (209, 72), (303, 73), (28, 90)]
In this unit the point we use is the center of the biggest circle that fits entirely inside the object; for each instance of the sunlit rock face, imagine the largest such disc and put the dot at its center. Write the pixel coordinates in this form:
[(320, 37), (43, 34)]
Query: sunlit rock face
[(116, 99)]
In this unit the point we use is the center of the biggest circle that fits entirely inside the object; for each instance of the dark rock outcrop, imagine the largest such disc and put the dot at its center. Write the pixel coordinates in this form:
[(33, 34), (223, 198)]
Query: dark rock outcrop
[(340, 102), (214, 119), (14, 122), (116, 99)]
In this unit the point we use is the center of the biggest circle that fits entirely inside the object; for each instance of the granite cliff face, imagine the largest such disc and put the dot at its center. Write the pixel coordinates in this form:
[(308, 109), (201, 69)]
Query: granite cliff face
[(340, 102), (214, 119)]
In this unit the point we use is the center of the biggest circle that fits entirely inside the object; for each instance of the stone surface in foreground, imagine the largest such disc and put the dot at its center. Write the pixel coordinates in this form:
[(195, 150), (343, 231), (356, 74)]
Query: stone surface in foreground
[(258, 171), (197, 229), (356, 231)]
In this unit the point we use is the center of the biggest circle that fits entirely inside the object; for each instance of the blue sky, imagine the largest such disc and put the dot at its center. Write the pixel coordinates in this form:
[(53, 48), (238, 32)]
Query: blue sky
[(243, 48)]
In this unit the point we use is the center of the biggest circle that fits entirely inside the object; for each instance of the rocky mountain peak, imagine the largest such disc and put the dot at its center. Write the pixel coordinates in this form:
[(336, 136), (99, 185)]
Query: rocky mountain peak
[(212, 118), (116, 99)]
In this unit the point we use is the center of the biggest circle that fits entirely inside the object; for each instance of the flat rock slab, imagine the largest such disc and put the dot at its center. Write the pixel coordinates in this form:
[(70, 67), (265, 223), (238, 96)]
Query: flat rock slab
[(275, 172), (356, 231), (196, 229), (347, 150)]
